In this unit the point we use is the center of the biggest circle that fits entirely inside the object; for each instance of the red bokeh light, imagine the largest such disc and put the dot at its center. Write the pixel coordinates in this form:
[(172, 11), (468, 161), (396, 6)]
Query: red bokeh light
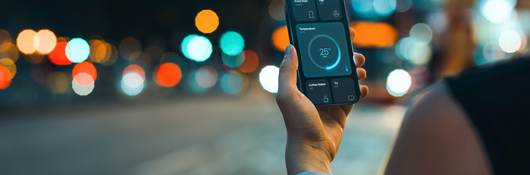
[(85, 67), (58, 55), (135, 68), (5, 78), (168, 75), (251, 62)]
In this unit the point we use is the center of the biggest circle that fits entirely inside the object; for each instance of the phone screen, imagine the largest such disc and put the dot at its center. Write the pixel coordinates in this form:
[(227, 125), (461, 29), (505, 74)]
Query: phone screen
[(319, 29)]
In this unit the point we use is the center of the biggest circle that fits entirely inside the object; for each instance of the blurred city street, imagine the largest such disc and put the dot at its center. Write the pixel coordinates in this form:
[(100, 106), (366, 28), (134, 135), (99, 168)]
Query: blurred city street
[(203, 135)]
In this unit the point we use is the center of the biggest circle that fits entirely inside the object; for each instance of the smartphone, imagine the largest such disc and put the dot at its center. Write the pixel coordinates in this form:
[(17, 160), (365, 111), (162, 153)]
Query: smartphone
[(319, 30)]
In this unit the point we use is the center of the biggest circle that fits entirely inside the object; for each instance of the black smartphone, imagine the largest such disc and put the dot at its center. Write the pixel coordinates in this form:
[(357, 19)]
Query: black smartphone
[(319, 30)]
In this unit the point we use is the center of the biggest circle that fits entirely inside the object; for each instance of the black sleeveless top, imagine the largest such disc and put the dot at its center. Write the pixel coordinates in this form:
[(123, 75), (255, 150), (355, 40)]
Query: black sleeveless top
[(497, 101)]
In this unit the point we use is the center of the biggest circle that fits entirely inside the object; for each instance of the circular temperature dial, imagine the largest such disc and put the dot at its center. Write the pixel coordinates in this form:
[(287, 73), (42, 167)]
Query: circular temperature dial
[(324, 52)]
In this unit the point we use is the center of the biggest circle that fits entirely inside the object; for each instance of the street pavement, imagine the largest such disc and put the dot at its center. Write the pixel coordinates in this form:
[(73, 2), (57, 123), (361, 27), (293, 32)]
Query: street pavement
[(193, 136)]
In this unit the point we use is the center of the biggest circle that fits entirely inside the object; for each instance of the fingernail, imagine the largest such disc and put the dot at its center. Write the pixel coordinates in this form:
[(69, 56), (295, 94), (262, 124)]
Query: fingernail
[(288, 51)]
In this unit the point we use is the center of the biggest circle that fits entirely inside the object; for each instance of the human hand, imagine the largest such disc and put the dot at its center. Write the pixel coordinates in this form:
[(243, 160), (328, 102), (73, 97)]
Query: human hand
[(314, 133)]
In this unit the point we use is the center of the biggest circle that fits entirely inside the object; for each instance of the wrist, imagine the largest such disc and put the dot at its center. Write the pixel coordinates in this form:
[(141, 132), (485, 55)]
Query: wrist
[(304, 156)]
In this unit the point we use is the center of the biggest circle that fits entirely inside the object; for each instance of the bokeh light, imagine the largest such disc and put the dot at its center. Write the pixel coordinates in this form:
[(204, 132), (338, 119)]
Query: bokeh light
[(206, 77), (232, 43), (384, 7), (25, 41), (135, 68), (232, 83), (10, 65), (133, 80), (421, 32), (203, 79), (250, 63), (130, 48), (374, 34), (58, 82), (510, 41), (268, 78), (233, 61), (403, 5), (276, 10), (374, 9), (58, 55), (398, 83), (77, 50), (9, 50), (85, 67), (83, 84), (416, 51), (207, 21), (45, 41), (497, 11), (5, 80), (280, 38), (5, 37), (168, 75), (197, 48), (100, 51)]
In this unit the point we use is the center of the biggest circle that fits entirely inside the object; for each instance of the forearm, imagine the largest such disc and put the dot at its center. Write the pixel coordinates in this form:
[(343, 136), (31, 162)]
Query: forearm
[(303, 157)]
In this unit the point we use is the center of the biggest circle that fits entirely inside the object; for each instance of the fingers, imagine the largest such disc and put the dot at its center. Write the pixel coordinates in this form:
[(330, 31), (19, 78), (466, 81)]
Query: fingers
[(359, 59), (364, 91), (288, 71), (361, 74)]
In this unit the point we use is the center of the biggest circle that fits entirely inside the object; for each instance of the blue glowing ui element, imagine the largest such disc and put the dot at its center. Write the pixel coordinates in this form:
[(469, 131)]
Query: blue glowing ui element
[(232, 43), (77, 50), (197, 48)]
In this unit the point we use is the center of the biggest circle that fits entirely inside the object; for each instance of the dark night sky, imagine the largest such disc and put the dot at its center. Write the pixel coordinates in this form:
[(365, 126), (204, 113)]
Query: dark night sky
[(115, 19)]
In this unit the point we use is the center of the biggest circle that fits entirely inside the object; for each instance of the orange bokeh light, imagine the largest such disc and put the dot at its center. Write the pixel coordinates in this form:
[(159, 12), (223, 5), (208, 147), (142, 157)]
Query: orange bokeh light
[(4, 85), (374, 34), (25, 41), (251, 62), (168, 75), (207, 21), (9, 50), (85, 67), (100, 51), (45, 41), (280, 38), (58, 55), (10, 66), (5, 78)]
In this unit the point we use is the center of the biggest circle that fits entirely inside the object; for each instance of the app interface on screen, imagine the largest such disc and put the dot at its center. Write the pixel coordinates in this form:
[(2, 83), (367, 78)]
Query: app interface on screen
[(324, 51)]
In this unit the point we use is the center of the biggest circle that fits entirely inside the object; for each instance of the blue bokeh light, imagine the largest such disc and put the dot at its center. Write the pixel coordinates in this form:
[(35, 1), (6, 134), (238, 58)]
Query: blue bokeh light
[(231, 83), (232, 43), (233, 61), (77, 50), (374, 9), (197, 48)]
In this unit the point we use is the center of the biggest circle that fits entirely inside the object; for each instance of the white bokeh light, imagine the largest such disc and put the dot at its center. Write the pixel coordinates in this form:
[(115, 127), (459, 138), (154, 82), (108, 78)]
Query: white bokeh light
[(421, 31), (83, 84), (132, 83), (510, 41), (497, 11), (268, 78), (398, 83)]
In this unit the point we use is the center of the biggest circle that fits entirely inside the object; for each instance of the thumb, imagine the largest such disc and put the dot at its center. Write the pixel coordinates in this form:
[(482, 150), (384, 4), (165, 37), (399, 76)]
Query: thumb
[(288, 71)]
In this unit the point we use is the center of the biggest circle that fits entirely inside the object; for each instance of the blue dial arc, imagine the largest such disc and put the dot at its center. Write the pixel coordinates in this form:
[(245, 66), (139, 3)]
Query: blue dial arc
[(339, 54)]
